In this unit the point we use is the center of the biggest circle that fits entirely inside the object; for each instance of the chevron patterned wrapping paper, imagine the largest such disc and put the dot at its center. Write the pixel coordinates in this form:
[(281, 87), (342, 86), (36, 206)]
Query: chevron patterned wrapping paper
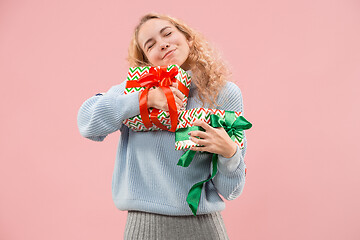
[(136, 123), (187, 118)]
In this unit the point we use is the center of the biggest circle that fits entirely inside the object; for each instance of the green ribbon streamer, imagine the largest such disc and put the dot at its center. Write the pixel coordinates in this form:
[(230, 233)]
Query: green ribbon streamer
[(186, 158), (181, 135), (194, 194), (234, 128)]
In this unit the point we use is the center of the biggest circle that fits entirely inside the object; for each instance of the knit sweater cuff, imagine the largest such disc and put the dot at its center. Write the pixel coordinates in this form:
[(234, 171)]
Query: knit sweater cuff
[(229, 165)]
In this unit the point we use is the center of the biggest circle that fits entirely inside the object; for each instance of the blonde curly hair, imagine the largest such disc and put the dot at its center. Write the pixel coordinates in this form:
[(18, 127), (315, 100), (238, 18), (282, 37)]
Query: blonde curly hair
[(209, 70)]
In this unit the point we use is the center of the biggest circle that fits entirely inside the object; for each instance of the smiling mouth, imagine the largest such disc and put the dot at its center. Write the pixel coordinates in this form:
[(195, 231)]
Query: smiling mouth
[(169, 53)]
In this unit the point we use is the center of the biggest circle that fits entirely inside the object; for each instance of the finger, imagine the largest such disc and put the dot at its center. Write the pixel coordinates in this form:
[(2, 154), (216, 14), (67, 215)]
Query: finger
[(200, 134), (179, 102), (198, 141), (175, 84), (201, 149), (178, 96), (204, 125), (177, 93)]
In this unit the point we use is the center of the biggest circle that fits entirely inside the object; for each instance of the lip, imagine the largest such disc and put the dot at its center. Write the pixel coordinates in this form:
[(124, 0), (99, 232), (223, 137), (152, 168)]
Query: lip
[(168, 53)]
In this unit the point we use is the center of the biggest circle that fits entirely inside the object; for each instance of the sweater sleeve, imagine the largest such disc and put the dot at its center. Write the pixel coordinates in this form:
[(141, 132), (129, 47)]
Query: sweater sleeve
[(230, 179), (103, 114)]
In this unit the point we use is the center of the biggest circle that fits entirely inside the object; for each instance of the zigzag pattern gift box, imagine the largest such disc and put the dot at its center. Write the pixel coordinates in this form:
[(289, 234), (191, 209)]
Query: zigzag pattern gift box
[(187, 118), (233, 123), (143, 79)]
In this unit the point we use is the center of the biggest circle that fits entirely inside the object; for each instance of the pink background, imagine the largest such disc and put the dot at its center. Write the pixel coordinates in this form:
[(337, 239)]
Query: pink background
[(296, 62)]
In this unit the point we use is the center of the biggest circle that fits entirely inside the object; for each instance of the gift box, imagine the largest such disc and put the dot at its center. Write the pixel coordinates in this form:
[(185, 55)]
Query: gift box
[(188, 117), (232, 122), (143, 79)]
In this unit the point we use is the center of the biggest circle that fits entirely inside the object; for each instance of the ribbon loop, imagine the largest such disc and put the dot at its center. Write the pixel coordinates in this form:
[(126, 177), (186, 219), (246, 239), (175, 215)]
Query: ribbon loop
[(232, 125)]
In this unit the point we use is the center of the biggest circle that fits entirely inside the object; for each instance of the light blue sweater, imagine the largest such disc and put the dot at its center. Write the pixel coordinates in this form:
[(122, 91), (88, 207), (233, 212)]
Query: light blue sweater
[(146, 176)]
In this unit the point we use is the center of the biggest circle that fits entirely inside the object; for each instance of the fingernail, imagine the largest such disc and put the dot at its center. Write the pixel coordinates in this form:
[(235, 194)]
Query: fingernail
[(189, 133)]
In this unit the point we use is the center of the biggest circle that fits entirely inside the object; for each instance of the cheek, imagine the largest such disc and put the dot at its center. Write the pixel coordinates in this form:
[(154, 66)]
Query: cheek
[(153, 58), (186, 52), (150, 56)]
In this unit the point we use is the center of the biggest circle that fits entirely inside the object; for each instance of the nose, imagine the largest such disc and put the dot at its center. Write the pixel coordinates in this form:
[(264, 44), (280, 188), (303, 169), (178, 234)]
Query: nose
[(164, 46)]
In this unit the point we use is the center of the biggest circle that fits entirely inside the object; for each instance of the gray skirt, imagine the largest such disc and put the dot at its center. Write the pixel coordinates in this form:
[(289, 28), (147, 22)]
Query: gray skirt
[(143, 225)]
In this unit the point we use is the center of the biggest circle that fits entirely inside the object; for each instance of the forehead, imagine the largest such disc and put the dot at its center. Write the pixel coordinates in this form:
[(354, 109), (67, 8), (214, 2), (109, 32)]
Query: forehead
[(151, 28)]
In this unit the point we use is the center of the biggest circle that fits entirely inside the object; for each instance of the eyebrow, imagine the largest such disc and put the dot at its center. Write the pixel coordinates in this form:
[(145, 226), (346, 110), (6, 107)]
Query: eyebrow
[(160, 33)]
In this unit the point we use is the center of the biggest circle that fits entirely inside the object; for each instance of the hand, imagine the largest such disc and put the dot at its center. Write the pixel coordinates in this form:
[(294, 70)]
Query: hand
[(156, 98), (213, 140)]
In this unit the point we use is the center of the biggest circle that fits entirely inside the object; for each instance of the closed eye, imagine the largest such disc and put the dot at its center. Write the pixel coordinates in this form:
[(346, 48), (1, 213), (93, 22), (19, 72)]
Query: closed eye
[(154, 43), (151, 46)]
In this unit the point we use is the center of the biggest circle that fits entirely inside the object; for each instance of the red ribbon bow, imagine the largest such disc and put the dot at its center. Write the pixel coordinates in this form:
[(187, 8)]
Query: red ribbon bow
[(158, 77)]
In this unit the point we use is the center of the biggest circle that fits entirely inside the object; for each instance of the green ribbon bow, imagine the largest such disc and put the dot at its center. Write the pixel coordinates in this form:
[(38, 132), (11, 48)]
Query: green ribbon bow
[(234, 127)]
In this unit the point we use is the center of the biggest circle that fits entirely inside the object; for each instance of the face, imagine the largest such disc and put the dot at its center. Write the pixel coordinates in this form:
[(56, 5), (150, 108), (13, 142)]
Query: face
[(163, 44)]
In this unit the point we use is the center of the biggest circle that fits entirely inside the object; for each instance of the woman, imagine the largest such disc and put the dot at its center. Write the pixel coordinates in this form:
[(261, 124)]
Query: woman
[(146, 180)]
